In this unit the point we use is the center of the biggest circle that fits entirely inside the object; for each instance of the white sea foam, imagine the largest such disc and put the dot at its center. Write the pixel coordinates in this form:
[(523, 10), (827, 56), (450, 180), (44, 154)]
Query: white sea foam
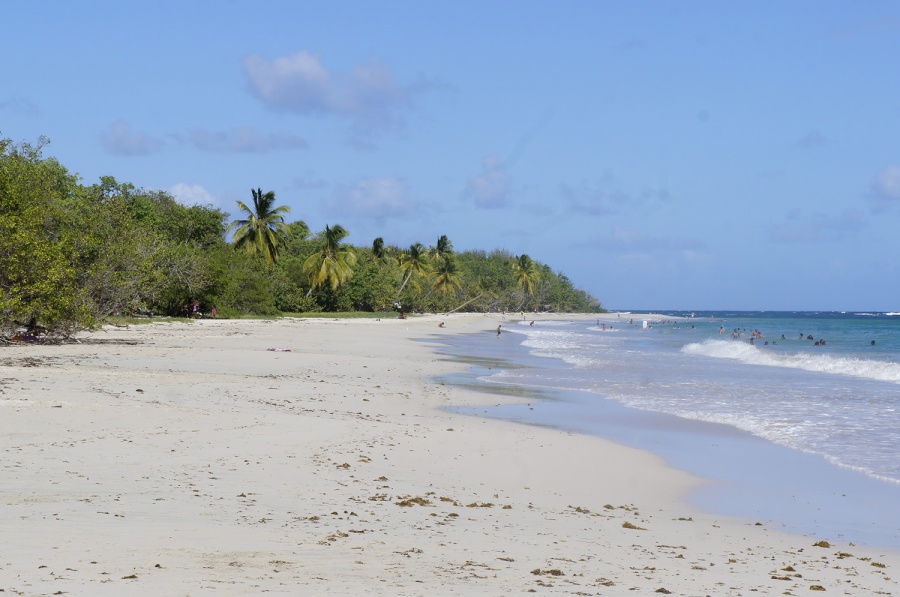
[(829, 401), (821, 363), (557, 343)]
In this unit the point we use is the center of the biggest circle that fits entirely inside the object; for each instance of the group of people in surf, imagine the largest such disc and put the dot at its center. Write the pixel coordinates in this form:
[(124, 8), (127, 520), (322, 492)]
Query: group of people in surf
[(820, 342)]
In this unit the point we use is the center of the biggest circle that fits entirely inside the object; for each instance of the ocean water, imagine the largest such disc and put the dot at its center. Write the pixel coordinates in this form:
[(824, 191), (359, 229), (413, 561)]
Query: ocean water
[(840, 400), (682, 382)]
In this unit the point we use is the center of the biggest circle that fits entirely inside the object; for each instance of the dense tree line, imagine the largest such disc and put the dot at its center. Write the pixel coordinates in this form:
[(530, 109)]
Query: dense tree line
[(71, 255)]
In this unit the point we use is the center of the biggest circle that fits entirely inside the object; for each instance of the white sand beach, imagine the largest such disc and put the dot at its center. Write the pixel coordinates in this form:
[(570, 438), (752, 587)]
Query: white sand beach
[(185, 458)]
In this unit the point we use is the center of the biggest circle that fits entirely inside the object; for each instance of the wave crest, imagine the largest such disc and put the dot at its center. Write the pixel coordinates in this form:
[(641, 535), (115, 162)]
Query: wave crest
[(821, 363)]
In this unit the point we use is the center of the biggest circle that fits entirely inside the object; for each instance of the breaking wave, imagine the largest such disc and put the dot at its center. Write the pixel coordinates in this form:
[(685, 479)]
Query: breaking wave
[(821, 363)]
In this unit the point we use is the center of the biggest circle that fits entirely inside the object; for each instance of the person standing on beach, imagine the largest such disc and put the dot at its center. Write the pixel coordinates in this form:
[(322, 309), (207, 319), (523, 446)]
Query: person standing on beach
[(498, 329)]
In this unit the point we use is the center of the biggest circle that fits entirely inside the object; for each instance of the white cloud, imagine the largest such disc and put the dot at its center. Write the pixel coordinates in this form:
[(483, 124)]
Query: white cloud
[(297, 83), (372, 197), (369, 94), (244, 140), (122, 140), (191, 194), (490, 188)]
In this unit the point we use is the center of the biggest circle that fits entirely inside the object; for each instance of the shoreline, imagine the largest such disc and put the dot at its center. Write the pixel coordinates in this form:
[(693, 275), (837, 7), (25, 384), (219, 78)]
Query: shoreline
[(187, 458), (747, 476)]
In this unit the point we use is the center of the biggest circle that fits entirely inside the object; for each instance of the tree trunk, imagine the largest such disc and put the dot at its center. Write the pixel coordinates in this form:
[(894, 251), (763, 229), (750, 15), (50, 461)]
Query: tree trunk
[(402, 286), (465, 303)]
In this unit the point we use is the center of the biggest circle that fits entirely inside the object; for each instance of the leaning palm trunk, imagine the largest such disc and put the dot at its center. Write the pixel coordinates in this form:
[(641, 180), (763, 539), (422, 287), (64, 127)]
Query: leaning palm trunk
[(465, 303), (402, 286)]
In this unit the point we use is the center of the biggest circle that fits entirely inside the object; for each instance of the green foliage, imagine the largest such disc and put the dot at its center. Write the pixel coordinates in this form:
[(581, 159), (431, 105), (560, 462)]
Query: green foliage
[(332, 262), (38, 281), (263, 230), (73, 256), (240, 285), (413, 262), (373, 286), (527, 273), (447, 272), (378, 249)]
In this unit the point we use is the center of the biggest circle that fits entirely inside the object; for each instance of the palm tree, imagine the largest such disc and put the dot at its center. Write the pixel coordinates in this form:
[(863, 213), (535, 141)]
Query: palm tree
[(527, 273), (333, 263), (413, 260), (447, 275), (298, 230), (378, 250), (264, 229), (444, 248)]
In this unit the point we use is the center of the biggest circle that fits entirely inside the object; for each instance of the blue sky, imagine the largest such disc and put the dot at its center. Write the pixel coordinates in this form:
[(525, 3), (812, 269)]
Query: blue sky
[(690, 155)]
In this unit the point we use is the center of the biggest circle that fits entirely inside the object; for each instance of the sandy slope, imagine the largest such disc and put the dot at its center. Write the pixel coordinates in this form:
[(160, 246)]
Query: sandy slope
[(186, 459)]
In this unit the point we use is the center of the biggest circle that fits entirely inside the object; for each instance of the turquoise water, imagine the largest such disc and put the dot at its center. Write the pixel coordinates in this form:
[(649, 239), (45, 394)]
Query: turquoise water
[(840, 400), (822, 422)]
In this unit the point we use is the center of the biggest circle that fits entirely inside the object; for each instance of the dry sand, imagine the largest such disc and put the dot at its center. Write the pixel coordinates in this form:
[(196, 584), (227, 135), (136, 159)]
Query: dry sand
[(184, 458)]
